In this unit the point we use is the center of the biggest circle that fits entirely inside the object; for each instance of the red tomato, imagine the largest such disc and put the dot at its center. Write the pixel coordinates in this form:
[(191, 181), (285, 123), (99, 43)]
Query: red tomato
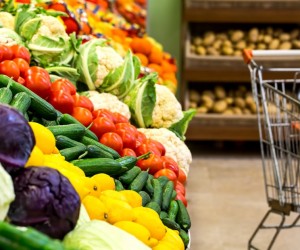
[(128, 138), (83, 115), (119, 118), (127, 151), (83, 101), (39, 83), (145, 148), (62, 101), (20, 51), (36, 69), (167, 172), (6, 53), (140, 138), (153, 164), (21, 80), (179, 187), (128, 127), (181, 176), (65, 84), (22, 65), (102, 125), (10, 68), (103, 113), (158, 145), (181, 197), (112, 140), (169, 163)]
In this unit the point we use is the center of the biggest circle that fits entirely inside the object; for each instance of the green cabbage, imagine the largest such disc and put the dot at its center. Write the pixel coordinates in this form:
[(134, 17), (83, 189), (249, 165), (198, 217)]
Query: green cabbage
[(96, 234), (141, 100), (7, 192)]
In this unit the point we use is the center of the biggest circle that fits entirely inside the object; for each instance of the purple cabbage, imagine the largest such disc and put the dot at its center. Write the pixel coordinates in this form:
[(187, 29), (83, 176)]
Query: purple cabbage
[(16, 137), (45, 200)]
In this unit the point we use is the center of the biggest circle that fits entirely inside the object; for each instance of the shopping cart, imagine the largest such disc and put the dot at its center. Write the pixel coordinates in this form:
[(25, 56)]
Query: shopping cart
[(276, 93)]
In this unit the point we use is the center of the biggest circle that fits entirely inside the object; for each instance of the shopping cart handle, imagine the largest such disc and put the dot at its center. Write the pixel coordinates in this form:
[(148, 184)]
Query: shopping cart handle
[(248, 54)]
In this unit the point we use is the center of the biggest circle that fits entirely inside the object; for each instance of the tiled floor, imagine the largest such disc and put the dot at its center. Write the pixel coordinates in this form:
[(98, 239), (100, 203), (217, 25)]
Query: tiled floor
[(227, 200)]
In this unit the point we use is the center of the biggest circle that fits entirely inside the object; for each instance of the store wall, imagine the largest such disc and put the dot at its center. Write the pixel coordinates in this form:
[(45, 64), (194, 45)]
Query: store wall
[(164, 25)]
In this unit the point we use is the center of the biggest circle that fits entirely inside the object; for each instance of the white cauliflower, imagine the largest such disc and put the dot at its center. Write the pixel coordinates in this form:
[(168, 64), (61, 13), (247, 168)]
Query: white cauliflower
[(175, 148), (7, 20), (108, 59), (108, 101), (9, 37)]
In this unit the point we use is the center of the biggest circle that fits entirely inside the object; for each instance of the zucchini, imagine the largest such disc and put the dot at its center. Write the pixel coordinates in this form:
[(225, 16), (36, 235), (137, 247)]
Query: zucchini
[(119, 186), (130, 161), (88, 141), (96, 152), (73, 131), (157, 191), (139, 182), (21, 101), (173, 210), (167, 195), (40, 106), (171, 224), (145, 197), (74, 153), (63, 142), (130, 175), (185, 237), (148, 186), (28, 239), (155, 206), (66, 119), (183, 218), (92, 166), (5, 95)]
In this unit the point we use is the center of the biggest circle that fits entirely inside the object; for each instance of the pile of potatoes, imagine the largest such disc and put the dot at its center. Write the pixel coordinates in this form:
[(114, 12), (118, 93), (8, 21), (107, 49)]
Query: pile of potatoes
[(232, 42), (217, 100)]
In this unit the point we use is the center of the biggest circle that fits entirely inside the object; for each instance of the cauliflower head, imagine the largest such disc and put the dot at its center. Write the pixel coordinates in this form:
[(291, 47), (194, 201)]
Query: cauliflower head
[(167, 109), (175, 148), (7, 20), (108, 59), (9, 37), (108, 101)]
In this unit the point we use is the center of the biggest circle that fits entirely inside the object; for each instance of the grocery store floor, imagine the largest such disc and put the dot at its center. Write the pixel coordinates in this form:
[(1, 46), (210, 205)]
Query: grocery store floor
[(226, 198)]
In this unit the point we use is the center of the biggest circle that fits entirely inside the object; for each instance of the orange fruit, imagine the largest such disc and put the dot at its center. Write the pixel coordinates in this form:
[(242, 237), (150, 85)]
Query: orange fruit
[(141, 45), (156, 56), (143, 59), (104, 181), (155, 67)]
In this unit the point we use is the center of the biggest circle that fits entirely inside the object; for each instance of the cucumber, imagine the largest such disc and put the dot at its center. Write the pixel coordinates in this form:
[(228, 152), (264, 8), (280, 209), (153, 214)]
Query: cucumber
[(163, 180), (130, 175), (21, 101), (145, 197), (155, 206), (171, 224), (148, 186), (28, 239), (119, 185), (139, 182), (66, 119), (47, 123), (185, 237), (173, 210), (96, 152), (157, 191), (63, 142), (5, 95), (74, 153), (40, 106), (163, 214), (183, 218), (92, 166), (130, 161), (167, 195), (88, 141), (73, 131), (174, 194)]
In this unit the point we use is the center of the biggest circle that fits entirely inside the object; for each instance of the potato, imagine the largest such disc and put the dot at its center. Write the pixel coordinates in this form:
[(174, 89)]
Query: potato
[(200, 50), (246, 111), (229, 100), (194, 96), (294, 34), (261, 46), (209, 38), (274, 44), (249, 100), (227, 43), (217, 44), (241, 45), (228, 51), (222, 36), (219, 106), (239, 102), (202, 110), (237, 36), (277, 32), (237, 110), (261, 38), (197, 41), (220, 92), (212, 51), (284, 37), (251, 46), (237, 53), (285, 45), (193, 105), (267, 39), (253, 35), (296, 44), (207, 102), (252, 107), (269, 31), (228, 111), (209, 93)]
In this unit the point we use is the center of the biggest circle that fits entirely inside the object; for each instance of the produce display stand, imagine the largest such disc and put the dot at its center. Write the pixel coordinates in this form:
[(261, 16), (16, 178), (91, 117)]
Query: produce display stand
[(279, 138)]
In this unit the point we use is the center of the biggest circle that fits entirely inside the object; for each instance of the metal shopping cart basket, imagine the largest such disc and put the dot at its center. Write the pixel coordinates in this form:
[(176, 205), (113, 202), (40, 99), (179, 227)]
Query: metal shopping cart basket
[(276, 93)]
